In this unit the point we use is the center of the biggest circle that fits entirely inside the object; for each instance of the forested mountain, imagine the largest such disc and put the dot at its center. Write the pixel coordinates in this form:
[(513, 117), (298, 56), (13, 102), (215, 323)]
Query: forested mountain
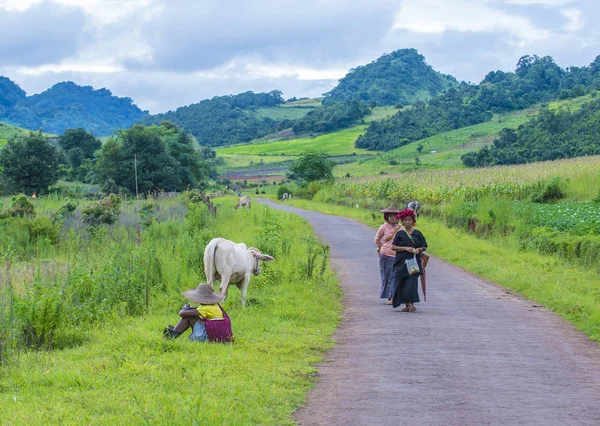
[(67, 105), (10, 94), (550, 136), (535, 80), (401, 77), (224, 120)]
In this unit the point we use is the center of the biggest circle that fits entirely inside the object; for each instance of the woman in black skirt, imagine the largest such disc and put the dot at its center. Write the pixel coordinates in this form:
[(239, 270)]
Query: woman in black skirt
[(408, 243)]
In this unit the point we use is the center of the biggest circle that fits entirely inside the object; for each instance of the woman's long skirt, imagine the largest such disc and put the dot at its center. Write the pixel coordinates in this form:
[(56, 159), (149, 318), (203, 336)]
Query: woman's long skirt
[(406, 290), (386, 270)]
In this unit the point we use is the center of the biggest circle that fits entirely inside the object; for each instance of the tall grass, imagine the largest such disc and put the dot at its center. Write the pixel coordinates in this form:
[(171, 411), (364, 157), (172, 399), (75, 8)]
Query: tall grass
[(82, 337)]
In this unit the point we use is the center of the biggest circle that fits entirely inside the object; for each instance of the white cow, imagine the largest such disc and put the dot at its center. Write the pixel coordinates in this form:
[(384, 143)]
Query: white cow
[(415, 206), (243, 202), (229, 262)]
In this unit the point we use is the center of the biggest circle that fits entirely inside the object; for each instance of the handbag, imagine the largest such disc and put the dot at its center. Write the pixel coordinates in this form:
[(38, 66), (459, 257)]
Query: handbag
[(219, 329)]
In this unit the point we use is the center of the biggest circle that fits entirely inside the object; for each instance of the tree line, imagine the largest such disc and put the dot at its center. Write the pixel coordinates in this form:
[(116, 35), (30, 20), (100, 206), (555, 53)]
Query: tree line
[(165, 158), (552, 135)]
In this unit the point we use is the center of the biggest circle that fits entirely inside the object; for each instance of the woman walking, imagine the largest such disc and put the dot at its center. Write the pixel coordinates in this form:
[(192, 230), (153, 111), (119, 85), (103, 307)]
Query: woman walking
[(383, 241), (408, 244)]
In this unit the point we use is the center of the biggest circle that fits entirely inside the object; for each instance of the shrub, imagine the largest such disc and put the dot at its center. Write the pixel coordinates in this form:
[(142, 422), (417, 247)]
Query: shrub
[(41, 227), (65, 210), (103, 212), (552, 190), (21, 206), (282, 190)]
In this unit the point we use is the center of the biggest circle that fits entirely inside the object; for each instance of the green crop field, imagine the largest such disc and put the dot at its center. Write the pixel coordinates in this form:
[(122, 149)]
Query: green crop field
[(337, 143), (303, 103), (279, 113)]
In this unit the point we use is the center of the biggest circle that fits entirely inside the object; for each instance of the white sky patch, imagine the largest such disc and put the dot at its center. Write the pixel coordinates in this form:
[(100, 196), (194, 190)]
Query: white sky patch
[(437, 16), (98, 68), (573, 15), (542, 2), (301, 73)]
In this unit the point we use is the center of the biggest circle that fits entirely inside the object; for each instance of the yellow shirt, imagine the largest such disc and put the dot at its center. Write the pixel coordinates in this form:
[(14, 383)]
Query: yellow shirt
[(210, 311)]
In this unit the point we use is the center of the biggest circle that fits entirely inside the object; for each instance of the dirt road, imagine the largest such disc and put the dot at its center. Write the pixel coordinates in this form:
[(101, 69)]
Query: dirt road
[(473, 354)]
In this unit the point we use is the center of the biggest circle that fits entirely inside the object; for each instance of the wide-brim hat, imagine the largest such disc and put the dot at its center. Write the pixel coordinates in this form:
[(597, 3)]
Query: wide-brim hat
[(204, 294), (390, 209)]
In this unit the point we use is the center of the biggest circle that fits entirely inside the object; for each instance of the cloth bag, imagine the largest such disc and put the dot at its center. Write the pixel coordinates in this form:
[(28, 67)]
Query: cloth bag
[(219, 329)]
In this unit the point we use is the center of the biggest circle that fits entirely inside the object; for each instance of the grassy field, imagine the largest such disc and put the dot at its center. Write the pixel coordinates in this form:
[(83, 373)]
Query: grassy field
[(7, 132), (303, 103), (337, 143), (115, 367), (279, 113)]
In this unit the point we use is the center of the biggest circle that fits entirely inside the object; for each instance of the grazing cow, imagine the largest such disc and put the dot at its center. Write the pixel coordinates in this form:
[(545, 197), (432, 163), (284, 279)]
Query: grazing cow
[(415, 206), (285, 196), (243, 202), (229, 263)]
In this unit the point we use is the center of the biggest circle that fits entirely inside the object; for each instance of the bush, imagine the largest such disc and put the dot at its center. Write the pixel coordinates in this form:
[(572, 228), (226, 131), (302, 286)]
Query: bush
[(21, 206), (282, 190), (65, 210), (553, 190), (103, 212)]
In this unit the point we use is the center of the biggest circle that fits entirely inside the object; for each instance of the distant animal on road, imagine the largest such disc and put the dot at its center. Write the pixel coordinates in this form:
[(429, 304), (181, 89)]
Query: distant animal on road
[(234, 263), (415, 206), (243, 202)]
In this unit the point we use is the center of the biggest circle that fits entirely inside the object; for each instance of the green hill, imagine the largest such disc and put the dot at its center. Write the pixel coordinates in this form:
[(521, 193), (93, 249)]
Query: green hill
[(399, 77), (67, 105), (8, 132), (535, 80), (10, 94), (226, 120)]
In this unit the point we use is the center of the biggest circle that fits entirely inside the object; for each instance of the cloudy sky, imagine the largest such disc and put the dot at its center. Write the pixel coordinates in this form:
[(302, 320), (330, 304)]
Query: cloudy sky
[(168, 53)]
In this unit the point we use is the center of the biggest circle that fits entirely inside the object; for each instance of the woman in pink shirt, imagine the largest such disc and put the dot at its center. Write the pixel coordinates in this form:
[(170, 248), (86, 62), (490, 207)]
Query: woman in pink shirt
[(383, 241)]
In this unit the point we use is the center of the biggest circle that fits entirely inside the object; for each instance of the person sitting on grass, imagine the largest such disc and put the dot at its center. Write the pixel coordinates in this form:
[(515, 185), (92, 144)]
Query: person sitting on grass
[(191, 317)]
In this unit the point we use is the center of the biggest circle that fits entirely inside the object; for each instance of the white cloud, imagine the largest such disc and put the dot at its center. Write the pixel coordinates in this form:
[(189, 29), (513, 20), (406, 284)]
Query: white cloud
[(165, 53), (438, 16)]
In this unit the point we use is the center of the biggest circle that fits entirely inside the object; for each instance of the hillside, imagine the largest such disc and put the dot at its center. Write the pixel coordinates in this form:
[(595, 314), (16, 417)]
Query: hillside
[(10, 94), (67, 105), (552, 135), (402, 77), (8, 132), (226, 120), (535, 80)]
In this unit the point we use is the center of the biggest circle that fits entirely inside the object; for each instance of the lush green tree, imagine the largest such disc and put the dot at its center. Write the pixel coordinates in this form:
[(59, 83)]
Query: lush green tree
[(79, 146), (30, 165), (312, 167), (79, 138), (165, 158)]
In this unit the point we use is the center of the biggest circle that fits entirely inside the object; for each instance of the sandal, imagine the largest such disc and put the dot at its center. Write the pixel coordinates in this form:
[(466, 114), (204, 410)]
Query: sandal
[(412, 309), (405, 310), (389, 302)]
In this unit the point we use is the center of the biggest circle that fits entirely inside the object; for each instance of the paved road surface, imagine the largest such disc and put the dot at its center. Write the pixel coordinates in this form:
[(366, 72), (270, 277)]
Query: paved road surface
[(473, 354)]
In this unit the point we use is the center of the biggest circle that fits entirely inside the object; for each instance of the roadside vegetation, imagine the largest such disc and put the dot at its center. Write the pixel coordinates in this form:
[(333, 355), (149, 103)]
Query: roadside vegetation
[(83, 305)]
